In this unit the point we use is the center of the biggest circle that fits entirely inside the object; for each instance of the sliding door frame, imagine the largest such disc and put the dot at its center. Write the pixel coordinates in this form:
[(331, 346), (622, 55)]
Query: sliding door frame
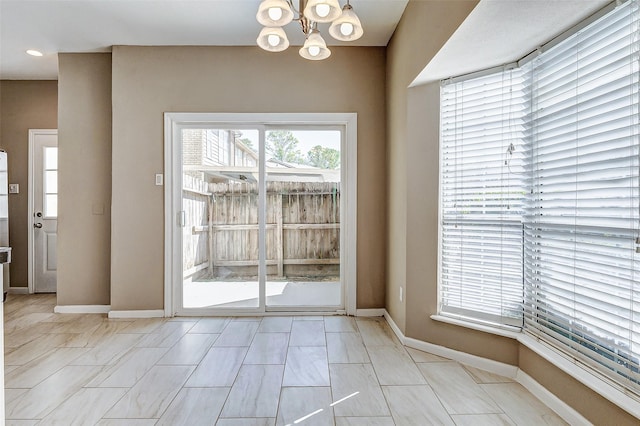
[(175, 122)]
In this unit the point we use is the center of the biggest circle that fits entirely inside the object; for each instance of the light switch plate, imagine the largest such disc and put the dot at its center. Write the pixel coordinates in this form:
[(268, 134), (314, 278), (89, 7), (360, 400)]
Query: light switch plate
[(159, 179), (14, 188)]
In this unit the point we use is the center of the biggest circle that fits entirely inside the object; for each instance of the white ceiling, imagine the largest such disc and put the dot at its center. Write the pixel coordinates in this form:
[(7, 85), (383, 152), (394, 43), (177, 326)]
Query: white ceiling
[(54, 26), (498, 32)]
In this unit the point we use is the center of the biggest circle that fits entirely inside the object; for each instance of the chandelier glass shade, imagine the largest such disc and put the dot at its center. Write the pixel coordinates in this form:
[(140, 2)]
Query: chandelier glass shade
[(274, 14)]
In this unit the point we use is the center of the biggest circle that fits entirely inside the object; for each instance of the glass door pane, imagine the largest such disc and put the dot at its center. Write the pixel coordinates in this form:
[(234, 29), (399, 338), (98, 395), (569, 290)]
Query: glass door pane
[(221, 229), (303, 218)]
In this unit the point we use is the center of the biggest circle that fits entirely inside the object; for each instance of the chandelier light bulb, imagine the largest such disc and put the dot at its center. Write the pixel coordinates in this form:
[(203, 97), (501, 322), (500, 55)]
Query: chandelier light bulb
[(315, 47), (346, 29), (273, 40), (323, 10), (275, 13)]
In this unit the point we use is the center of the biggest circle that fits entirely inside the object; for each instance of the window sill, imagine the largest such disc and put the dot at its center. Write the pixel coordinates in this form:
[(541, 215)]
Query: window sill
[(509, 332), (603, 387)]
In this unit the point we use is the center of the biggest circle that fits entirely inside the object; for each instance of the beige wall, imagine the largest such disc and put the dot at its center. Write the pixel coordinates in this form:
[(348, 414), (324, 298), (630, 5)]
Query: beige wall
[(592, 406), (423, 30), (413, 146), (84, 151), (148, 81), (24, 105)]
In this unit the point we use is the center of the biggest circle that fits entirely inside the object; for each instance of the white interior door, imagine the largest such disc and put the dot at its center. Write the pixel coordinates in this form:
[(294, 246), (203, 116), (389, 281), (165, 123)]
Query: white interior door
[(44, 192)]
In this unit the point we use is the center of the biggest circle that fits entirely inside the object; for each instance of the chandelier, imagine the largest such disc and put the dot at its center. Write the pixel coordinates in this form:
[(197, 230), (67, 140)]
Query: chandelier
[(274, 14)]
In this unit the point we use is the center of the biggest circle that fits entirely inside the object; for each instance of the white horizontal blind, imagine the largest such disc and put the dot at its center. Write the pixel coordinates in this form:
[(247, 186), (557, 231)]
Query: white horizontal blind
[(481, 198), (582, 289)]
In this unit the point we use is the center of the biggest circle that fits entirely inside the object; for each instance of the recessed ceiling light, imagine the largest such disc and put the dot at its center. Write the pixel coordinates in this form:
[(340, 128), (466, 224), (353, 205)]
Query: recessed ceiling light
[(34, 52)]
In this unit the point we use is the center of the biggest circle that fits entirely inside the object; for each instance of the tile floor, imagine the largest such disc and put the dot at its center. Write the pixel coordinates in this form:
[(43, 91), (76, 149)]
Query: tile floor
[(89, 370)]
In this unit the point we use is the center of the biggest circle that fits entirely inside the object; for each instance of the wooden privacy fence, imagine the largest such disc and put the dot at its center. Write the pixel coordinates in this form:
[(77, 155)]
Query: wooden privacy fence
[(220, 237)]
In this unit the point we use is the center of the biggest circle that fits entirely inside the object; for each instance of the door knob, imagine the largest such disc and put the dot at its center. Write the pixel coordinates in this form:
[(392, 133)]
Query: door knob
[(37, 225)]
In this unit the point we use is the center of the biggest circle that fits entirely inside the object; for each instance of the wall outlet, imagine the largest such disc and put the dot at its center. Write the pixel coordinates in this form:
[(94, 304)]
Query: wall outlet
[(401, 294)]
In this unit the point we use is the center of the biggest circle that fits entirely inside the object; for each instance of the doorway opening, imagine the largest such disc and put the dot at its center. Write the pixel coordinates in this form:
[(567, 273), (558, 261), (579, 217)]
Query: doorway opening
[(258, 210)]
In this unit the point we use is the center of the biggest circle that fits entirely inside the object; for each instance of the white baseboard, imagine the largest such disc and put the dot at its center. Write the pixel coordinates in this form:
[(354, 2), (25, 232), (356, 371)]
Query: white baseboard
[(370, 312), (18, 290), (570, 415), (82, 309), (553, 402), (151, 313)]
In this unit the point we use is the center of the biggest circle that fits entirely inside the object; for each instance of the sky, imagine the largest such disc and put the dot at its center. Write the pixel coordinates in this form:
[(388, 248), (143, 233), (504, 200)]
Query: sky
[(307, 138)]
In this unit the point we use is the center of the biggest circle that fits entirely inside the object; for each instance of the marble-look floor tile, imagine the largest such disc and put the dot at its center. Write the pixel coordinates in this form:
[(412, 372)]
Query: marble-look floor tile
[(194, 407), (167, 335), (485, 377), (263, 421), (110, 350), (459, 393), (219, 367), (152, 394), (420, 356), (308, 406), (29, 375), (394, 366), (85, 407), (306, 366), (143, 325), (26, 320), (189, 350), (346, 348), (210, 325), (36, 348), (275, 325), (308, 318), (356, 392), (21, 422), (127, 422), (81, 324), (521, 406), (22, 337), (307, 333), (268, 348), (482, 420), (340, 324), (376, 332), (40, 400), (365, 421), (11, 395), (93, 338), (255, 393), (237, 333), (415, 405), (129, 369)]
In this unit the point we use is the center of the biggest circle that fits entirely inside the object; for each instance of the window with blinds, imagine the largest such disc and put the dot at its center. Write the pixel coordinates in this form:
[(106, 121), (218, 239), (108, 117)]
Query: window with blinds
[(540, 195), (482, 191), (582, 271)]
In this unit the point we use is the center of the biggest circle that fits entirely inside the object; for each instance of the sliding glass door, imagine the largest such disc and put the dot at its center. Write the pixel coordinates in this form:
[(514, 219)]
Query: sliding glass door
[(259, 217), (220, 236), (303, 218)]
